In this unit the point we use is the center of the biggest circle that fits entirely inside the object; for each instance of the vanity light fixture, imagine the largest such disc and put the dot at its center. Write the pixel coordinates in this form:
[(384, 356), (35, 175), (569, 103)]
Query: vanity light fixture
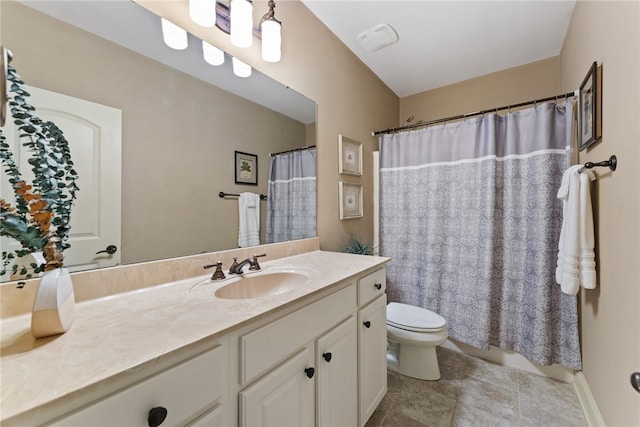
[(203, 12), (240, 69), (212, 54), (241, 17), (271, 35), (174, 36)]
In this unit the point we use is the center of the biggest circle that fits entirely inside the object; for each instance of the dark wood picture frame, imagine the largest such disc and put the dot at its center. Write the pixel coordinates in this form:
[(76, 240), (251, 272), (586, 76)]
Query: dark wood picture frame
[(590, 108), (246, 168)]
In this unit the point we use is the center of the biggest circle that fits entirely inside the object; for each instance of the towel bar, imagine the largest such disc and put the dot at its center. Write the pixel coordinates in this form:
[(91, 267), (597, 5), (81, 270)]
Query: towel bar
[(222, 195), (612, 164)]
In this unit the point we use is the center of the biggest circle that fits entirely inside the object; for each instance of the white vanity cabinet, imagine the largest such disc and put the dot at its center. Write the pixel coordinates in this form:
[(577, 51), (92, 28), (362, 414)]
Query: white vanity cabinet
[(372, 342), (192, 393), (301, 370), (317, 361), (322, 365)]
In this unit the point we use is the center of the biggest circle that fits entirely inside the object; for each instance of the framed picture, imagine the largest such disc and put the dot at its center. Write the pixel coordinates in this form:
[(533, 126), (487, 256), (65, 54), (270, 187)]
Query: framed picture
[(246, 168), (590, 106), (350, 200), (350, 156)]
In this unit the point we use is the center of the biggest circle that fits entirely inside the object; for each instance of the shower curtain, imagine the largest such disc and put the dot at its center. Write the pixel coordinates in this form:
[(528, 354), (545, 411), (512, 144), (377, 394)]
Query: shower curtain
[(291, 196), (471, 221)]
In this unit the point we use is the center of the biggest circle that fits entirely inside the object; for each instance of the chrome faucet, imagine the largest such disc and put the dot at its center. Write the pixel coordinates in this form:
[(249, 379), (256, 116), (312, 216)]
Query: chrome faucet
[(236, 267)]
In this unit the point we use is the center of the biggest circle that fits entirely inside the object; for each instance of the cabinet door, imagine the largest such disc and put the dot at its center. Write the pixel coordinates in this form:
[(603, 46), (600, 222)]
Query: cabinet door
[(372, 355), (337, 383), (284, 397)]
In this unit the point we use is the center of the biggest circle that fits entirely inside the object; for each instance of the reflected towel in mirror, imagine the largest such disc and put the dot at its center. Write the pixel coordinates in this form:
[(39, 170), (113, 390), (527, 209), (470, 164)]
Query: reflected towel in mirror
[(248, 219)]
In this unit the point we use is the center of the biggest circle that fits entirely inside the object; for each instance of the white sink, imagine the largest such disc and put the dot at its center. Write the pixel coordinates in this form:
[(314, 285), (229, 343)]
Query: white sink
[(267, 283)]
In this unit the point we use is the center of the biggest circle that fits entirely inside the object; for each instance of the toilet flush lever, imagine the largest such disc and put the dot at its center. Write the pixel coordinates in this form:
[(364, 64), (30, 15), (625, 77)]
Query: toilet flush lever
[(378, 286)]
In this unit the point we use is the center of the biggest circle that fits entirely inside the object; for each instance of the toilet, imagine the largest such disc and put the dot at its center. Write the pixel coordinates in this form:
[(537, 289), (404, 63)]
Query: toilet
[(412, 336)]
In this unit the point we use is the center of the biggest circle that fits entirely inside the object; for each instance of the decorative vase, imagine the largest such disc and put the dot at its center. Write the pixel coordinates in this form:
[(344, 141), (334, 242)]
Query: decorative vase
[(54, 304)]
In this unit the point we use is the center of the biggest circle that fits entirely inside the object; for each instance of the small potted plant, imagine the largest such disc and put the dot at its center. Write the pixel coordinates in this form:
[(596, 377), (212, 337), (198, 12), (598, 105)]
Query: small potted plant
[(355, 246), (38, 218)]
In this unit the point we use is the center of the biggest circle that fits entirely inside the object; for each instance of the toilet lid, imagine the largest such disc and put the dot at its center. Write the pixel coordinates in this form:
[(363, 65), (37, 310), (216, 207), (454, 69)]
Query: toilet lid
[(412, 318)]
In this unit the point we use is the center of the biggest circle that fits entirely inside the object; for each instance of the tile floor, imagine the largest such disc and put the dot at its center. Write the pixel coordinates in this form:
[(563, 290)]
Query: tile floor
[(474, 392)]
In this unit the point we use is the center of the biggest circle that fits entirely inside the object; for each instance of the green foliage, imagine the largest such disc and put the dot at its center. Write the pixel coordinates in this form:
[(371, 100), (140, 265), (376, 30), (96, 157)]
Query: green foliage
[(39, 221), (355, 246)]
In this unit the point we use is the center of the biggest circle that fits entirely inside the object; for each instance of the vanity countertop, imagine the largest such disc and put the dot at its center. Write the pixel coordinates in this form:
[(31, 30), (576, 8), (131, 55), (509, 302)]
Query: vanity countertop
[(120, 333)]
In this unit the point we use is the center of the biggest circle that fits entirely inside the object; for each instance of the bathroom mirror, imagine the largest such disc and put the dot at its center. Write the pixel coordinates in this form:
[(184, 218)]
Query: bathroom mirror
[(181, 119)]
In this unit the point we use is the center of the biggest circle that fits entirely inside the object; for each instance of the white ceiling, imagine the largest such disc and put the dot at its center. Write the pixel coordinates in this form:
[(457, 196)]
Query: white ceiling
[(444, 42)]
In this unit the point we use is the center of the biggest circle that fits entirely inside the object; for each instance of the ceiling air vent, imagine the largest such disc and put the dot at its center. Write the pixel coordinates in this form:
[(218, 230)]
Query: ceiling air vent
[(376, 38)]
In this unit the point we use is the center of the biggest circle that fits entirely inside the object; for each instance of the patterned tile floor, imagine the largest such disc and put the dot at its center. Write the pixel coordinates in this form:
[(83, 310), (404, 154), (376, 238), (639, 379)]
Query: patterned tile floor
[(474, 392)]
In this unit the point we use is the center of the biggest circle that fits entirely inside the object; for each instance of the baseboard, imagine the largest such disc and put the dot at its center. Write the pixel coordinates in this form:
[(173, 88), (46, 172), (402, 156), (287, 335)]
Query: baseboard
[(513, 360), (588, 403)]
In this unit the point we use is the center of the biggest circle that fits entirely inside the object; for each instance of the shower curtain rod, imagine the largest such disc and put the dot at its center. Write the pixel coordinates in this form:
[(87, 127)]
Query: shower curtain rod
[(476, 113), (292, 150)]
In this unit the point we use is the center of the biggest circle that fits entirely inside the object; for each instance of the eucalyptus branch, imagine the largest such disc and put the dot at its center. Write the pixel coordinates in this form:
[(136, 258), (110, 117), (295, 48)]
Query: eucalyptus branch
[(40, 221)]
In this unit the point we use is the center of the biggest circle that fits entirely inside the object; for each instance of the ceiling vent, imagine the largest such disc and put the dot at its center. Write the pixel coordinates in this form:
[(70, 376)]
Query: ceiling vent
[(376, 38)]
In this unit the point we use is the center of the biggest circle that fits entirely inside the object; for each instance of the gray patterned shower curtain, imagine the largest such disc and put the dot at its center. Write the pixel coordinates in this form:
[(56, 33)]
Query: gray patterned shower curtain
[(291, 196), (471, 221)]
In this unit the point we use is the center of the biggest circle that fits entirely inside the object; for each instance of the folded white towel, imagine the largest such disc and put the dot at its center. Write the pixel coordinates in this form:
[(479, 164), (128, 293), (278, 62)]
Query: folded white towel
[(576, 257), (248, 220)]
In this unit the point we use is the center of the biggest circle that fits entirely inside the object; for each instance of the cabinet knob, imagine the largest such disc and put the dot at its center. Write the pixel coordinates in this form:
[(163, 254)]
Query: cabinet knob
[(378, 286), (309, 372), (367, 324), (156, 416), (327, 356)]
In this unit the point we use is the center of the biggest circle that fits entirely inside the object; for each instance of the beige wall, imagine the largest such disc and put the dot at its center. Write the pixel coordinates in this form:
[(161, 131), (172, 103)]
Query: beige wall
[(519, 84), (178, 139), (351, 100), (609, 32)]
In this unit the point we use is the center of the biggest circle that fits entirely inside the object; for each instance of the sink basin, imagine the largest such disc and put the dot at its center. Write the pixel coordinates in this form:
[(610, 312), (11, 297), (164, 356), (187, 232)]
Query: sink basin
[(261, 284)]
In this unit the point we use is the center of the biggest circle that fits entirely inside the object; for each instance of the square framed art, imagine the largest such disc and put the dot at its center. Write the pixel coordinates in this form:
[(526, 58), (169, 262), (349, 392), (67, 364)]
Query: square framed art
[(349, 156), (350, 200)]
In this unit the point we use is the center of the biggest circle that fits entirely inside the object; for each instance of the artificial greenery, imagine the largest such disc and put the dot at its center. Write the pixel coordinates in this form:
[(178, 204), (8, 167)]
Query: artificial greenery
[(39, 219), (355, 246)]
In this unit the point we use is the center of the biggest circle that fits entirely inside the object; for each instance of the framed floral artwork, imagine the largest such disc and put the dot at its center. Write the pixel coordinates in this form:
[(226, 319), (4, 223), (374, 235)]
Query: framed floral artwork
[(350, 200), (350, 156), (246, 168)]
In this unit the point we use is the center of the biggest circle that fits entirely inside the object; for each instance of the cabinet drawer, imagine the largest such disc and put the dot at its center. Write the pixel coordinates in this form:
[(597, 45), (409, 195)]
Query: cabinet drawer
[(185, 390), (264, 347), (371, 286)]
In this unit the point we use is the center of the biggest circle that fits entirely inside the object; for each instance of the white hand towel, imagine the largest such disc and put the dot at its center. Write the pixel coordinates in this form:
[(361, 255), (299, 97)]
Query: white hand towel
[(576, 260), (587, 256), (248, 220)]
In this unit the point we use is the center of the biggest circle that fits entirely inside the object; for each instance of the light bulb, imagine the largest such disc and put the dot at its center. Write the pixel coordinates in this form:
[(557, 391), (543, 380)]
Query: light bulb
[(203, 12), (212, 54), (271, 40), (241, 17), (174, 36), (240, 69)]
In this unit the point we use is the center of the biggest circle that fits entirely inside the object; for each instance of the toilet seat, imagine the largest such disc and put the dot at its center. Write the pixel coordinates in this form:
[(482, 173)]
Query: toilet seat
[(415, 319)]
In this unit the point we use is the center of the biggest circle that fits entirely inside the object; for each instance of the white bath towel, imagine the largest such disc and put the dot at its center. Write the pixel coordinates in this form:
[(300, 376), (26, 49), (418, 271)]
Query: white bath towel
[(248, 220), (576, 258)]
